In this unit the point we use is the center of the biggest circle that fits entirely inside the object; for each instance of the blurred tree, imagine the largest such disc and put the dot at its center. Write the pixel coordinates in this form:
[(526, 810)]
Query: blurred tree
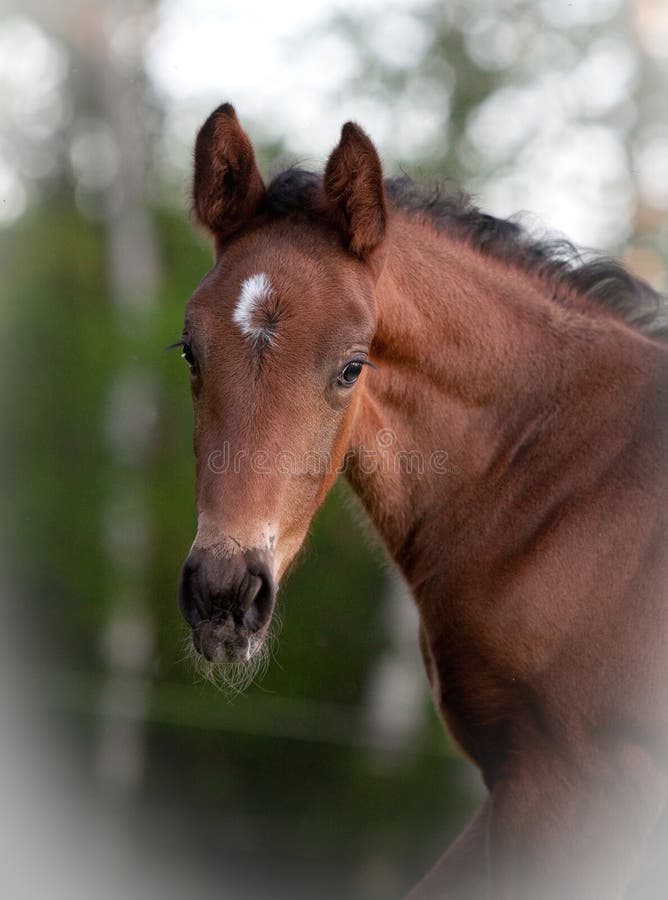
[(647, 252), (533, 106), (109, 156)]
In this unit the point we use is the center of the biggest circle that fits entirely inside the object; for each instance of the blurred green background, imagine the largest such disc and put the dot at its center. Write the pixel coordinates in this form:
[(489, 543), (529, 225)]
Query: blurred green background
[(332, 777)]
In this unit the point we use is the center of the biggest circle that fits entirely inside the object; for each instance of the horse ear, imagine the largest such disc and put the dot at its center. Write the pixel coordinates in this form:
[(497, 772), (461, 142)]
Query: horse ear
[(354, 190), (227, 185)]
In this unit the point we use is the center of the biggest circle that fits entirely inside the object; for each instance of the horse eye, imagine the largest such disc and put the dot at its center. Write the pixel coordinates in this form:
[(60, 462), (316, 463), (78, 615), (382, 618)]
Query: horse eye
[(350, 373), (187, 354)]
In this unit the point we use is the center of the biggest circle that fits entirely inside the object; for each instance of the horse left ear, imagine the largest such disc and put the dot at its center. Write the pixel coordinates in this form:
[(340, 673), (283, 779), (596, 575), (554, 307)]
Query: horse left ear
[(227, 186), (354, 191)]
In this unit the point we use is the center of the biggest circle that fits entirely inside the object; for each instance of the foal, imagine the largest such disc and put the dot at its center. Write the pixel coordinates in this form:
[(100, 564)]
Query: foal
[(348, 321)]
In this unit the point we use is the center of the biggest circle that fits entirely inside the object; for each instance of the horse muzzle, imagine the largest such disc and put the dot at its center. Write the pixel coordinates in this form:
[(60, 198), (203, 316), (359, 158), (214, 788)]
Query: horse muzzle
[(228, 602)]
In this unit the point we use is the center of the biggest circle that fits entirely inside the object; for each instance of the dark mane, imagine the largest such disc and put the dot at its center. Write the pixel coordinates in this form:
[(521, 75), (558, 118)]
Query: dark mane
[(560, 263)]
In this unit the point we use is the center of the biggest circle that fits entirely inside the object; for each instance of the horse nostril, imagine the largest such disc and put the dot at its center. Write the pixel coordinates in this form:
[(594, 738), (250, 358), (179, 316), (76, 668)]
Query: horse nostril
[(261, 603), (188, 593)]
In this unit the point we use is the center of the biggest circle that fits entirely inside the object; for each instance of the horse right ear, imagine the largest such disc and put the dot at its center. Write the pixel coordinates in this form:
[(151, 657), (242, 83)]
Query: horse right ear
[(354, 191), (227, 186)]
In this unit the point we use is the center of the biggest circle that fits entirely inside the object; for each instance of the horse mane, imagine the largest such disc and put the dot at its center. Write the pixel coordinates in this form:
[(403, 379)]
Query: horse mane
[(567, 269)]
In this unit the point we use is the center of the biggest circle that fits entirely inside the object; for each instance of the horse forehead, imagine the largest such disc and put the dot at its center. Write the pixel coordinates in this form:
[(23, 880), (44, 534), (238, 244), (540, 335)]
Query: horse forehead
[(299, 283), (286, 272)]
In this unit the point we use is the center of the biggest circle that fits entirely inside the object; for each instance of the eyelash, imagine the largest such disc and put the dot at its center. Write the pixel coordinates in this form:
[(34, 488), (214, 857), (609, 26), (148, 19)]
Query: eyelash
[(186, 353)]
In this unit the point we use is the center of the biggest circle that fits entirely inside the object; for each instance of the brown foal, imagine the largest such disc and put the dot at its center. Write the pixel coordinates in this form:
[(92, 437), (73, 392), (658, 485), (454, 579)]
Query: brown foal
[(499, 407)]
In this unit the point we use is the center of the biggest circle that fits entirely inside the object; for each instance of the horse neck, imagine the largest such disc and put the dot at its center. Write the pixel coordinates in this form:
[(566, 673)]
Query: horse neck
[(477, 368)]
